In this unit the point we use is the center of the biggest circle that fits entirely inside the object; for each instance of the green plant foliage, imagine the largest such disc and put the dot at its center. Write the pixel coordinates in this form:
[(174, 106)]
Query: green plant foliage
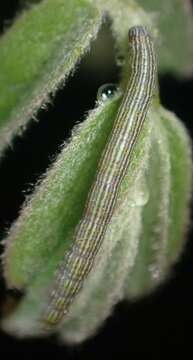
[(37, 54), (150, 200), (145, 235), (174, 20), (59, 199)]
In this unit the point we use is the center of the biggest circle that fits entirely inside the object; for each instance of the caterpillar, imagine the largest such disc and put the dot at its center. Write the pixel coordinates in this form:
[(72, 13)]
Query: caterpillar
[(112, 167)]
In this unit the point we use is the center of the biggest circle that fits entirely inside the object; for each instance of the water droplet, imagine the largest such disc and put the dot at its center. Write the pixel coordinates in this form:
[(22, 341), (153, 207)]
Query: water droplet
[(105, 92)]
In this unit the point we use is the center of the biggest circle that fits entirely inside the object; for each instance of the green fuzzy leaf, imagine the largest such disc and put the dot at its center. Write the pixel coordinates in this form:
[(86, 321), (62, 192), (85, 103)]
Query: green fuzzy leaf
[(98, 125), (166, 214), (50, 217), (174, 20), (36, 56)]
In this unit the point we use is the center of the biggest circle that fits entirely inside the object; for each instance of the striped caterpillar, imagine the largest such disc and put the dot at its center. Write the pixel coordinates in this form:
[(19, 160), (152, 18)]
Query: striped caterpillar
[(113, 166)]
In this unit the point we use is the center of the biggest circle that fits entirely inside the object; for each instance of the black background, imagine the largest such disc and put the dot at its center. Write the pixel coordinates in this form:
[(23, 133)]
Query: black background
[(156, 325)]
